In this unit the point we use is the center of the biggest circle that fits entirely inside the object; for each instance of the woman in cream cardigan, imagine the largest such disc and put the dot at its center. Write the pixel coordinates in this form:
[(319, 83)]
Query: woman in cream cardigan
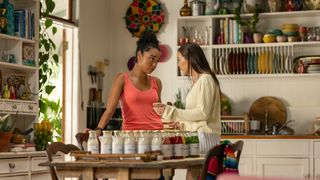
[(202, 112)]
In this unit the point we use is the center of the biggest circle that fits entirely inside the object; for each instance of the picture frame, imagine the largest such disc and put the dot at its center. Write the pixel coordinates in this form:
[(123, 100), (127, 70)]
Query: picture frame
[(15, 84)]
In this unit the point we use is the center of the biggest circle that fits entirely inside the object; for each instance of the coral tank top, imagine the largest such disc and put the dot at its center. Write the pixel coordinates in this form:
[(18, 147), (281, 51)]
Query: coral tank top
[(137, 109)]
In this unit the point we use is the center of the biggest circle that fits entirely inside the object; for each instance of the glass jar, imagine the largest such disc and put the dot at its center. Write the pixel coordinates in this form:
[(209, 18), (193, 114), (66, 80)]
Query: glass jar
[(143, 142), (156, 142), (178, 146), (117, 143), (93, 143), (194, 149), (130, 146), (106, 142), (185, 143), (167, 146)]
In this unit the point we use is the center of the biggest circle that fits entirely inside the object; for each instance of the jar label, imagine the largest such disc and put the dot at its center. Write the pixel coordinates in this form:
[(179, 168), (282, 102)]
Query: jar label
[(130, 149), (93, 148), (106, 148), (117, 148), (194, 149), (156, 147), (142, 148), (178, 150), (167, 150)]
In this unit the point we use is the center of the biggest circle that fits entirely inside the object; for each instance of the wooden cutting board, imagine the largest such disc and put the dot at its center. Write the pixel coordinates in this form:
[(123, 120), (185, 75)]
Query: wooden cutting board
[(276, 111)]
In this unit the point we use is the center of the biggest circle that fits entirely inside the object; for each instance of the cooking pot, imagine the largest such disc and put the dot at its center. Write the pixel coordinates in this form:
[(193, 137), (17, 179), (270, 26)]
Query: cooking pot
[(197, 7)]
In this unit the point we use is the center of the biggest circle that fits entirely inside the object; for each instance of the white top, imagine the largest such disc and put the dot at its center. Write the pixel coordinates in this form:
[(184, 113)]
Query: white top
[(202, 111)]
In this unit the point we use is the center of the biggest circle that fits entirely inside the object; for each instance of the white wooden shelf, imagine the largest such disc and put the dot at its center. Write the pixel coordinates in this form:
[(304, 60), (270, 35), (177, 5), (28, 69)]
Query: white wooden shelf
[(18, 67), (239, 76), (15, 38), (291, 14), (250, 45)]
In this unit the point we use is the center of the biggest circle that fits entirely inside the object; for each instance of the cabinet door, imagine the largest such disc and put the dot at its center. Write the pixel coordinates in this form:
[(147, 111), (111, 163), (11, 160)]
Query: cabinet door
[(40, 176), (317, 168), (14, 178), (283, 167), (245, 166)]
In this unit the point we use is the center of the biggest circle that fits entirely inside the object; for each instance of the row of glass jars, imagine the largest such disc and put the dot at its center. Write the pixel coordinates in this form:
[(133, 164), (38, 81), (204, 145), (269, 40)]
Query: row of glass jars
[(171, 144)]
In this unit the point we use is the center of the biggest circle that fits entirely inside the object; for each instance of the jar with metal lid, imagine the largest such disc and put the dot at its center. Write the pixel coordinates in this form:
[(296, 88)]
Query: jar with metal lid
[(197, 7), (93, 143), (167, 146), (143, 142), (106, 142), (130, 146), (117, 143), (156, 142), (185, 143)]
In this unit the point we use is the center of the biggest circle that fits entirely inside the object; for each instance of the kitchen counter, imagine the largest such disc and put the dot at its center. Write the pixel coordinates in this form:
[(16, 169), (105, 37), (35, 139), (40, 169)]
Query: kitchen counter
[(305, 136)]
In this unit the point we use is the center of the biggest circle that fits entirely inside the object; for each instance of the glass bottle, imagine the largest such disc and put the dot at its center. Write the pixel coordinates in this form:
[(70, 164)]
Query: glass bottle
[(185, 144), (129, 143), (178, 147), (117, 143), (93, 143), (167, 146), (106, 142), (156, 142), (194, 149), (185, 10), (143, 142)]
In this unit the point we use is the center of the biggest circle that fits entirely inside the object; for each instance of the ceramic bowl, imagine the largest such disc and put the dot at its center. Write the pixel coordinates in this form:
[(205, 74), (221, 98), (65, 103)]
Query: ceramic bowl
[(281, 38), (293, 38), (269, 38)]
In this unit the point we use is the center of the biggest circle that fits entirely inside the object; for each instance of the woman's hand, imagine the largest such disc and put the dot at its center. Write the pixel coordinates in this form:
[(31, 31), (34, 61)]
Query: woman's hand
[(176, 125), (159, 108)]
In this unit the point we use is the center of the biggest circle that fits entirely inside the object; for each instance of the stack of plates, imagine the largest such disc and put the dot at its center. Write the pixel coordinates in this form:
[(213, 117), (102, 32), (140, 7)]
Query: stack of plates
[(313, 68)]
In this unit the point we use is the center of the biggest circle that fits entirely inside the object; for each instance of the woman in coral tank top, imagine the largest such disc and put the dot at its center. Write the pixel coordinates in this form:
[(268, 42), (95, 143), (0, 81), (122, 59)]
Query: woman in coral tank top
[(137, 90)]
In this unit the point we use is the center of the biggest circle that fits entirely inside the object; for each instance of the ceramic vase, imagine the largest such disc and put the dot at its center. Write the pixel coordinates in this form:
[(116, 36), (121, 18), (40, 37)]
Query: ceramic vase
[(257, 37), (185, 10), (4, 141)]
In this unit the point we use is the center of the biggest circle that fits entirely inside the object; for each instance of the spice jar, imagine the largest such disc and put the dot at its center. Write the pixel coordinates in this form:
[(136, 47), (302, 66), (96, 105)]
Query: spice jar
[(167, 146), (129, 143), (117, 143), (106, 142), (93, 143), (185, 143), (156, 142)]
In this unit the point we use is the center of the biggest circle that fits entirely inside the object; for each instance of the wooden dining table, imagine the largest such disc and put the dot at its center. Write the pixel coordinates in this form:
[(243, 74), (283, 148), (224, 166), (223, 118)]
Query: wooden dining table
[(126, 169)]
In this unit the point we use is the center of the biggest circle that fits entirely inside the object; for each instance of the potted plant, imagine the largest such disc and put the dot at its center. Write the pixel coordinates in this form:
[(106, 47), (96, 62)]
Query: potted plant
[(249, 26), (6, 128)]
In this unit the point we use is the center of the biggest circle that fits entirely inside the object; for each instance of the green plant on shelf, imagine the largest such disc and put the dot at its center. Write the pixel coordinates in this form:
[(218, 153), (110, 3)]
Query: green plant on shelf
[(6, 123), (178, 103), (252, 21)]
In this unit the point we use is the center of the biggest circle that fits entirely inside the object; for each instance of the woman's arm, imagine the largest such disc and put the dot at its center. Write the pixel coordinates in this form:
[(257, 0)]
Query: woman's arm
[(159, 84), (203, 98), (113, 100)]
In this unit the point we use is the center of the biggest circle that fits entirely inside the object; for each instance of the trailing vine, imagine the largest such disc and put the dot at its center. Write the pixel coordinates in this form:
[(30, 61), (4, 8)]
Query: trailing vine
[(252, 22), (48, 62)]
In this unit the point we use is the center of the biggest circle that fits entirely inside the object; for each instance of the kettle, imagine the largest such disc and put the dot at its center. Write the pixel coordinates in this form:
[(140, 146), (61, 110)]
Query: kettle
[(197, 7)]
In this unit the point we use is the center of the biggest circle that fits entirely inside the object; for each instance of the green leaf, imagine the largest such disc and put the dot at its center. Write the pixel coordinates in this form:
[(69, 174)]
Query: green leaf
[(48, 23), (50, 5), (49, 89), (54, 30), (55, 58)]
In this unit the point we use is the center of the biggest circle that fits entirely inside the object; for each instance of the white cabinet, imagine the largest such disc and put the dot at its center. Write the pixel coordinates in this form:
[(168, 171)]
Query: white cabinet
[(24, 165), (245, 166), (283, 167), (317, 168)]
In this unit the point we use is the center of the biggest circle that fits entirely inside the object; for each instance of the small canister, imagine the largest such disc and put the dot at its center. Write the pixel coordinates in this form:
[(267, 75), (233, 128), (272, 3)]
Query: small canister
[(197, 7)]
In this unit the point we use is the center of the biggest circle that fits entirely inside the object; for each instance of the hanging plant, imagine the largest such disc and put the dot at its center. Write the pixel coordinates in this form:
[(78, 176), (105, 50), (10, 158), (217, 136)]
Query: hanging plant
[(48, 60), (252, 22)]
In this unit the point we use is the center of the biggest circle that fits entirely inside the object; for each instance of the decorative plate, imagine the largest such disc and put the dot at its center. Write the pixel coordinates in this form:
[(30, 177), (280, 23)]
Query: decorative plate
[(144, 15)]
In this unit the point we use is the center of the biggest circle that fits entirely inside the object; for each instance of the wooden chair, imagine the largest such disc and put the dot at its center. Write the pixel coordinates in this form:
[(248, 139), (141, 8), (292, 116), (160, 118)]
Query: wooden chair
[(55, 147), (81, 139), (218, 152)]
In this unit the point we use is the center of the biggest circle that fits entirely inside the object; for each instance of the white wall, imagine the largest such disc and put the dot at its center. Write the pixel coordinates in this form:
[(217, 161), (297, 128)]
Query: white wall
[(100, 17)]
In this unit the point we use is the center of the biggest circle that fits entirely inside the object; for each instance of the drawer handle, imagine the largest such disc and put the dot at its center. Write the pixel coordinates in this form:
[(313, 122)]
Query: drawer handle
[(12, 165), (14, 106), (30, 107)]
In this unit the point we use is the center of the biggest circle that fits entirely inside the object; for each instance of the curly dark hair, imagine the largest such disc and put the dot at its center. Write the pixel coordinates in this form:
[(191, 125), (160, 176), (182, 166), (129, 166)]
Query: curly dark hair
[(147, 41)]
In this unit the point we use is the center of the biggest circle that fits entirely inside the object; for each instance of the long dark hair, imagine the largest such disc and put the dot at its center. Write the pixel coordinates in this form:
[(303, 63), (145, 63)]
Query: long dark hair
[(147, 41), (197, 61)]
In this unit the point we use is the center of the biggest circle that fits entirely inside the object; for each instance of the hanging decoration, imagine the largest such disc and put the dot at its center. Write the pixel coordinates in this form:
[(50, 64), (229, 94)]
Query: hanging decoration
[(144, 15)]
